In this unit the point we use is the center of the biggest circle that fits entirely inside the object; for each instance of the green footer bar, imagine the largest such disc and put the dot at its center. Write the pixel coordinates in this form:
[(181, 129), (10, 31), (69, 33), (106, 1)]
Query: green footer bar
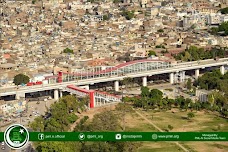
[(126, 136)]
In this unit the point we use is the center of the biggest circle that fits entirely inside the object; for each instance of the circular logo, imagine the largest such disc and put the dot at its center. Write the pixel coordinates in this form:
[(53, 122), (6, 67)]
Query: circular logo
[(154, 136), (81, 136), (16, 136)]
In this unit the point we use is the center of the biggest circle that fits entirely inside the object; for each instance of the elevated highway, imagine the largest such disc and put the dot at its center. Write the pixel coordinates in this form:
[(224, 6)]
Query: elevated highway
[(133, 69)]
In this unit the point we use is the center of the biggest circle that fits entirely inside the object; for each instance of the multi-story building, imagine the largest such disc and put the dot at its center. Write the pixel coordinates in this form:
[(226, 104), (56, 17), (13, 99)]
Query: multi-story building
[(152, 12), (213, 19), (197, 21)]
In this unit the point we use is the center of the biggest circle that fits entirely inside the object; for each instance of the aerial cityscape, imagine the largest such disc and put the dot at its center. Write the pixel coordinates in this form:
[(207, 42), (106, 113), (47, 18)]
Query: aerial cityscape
[(81, 66)]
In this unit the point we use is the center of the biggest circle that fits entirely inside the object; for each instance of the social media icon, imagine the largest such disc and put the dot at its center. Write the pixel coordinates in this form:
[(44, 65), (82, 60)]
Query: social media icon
[(41, 136), (118, 136), (154, 136), (81, 136)]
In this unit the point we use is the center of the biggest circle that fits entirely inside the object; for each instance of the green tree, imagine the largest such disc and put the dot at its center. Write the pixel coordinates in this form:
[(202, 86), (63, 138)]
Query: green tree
[(170, 127), (37, 124), (224, 10), (223, 28), (156, 94), (222, 85), (105, 121), (82, 124), (189, 84), (145, 92), (151, 53), (198, 106), (180, 101), (91, 1), (187, 56), (193, 26), (214, 30), (128, 14), (60, 120), (105, 17), (20, 78), (116, 1), (193, 54), (160, 46), (72, 118), (190, 115), (210, 80), (161, 30), (33, 1), (56, 146), (67, 50)]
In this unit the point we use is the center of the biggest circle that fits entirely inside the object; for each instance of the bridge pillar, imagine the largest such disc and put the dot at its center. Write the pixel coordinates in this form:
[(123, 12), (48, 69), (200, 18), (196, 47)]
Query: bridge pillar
[(87, 87), (171, 78), (222, 69), (182, 76), (56, 94), (19, 95), (61, 93), (116, 85), (196, 73), (144, 81)]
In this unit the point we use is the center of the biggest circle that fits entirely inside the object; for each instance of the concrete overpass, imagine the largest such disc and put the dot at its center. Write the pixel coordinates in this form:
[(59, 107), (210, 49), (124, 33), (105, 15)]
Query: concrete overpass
[(133, 69)]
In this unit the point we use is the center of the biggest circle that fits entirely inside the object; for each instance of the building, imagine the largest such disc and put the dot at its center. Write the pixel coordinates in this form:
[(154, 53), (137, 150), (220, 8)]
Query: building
[(143, 3), (152, 12), (213, 19), (202, 95)]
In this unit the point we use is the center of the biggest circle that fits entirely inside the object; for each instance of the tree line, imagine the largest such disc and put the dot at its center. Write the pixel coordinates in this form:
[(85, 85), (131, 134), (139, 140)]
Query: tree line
[(194, 53), (213, 80), (153, 99), (63, 116), (218, 99)]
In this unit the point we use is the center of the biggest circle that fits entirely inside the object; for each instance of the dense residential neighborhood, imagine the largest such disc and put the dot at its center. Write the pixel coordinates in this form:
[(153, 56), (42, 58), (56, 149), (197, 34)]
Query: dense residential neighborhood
[(34, 36)]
